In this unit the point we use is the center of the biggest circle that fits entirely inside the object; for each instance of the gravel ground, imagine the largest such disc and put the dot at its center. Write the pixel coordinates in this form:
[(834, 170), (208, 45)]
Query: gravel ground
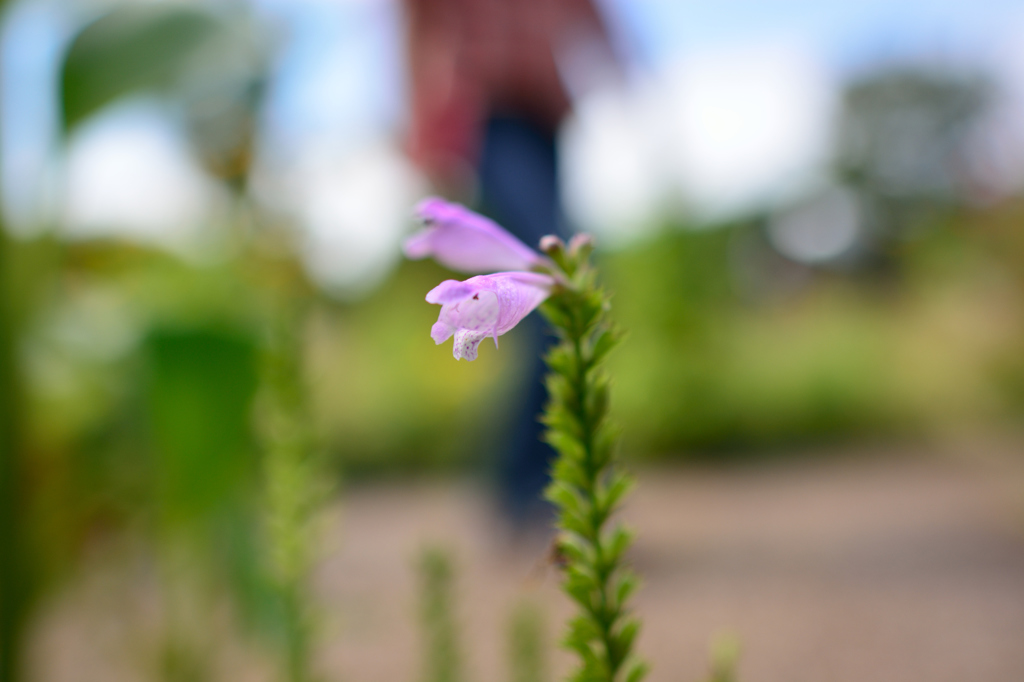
[(888, 569)]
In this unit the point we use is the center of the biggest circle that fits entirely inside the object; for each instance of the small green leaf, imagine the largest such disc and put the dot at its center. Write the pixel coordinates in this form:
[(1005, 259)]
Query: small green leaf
[(611, 495), (562, 359), (567, 468), (556, 314), (624, 639), (581, 586), (565, 497), (605, 343), (582, 629), (637, 672), (616, 544), (574, 550), (597, 399), (574, 523), (626, 584), (561, 420)]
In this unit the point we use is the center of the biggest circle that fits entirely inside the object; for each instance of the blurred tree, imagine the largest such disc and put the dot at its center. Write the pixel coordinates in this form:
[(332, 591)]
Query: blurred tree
[(130, 49), (903, 144), (213, 64)]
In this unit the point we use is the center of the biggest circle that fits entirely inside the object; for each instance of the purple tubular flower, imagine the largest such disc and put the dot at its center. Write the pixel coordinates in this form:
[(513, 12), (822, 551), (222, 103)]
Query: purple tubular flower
[(486, 305), (465, 241)]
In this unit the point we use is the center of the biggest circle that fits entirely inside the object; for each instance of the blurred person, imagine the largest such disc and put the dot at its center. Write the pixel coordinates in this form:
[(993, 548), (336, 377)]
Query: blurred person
[(491, 82)]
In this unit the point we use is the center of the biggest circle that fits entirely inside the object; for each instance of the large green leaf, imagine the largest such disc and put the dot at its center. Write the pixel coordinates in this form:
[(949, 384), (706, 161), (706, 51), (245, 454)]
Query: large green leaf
[(200, 387), (129, 49)]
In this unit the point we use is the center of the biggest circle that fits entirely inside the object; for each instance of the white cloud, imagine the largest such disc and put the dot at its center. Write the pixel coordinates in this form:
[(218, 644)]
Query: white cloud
[(128, 173), (747, 124), (355, 208), (611, 180)]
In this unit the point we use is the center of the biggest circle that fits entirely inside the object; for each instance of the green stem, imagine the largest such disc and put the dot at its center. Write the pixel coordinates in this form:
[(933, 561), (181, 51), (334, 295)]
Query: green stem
[(586, 483), (13, 575), (593, 476)]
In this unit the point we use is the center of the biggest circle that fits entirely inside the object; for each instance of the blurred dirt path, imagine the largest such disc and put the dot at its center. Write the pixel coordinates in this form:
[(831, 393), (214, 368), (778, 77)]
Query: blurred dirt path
[(881, 571)]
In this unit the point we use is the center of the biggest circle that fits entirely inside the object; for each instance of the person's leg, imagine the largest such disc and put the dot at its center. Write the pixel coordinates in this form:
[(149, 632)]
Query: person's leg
[(518, 176)]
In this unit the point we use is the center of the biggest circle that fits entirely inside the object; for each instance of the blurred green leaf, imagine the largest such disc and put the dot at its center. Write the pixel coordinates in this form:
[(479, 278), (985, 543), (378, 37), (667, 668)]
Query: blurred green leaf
[(200, 391), (127, 50)]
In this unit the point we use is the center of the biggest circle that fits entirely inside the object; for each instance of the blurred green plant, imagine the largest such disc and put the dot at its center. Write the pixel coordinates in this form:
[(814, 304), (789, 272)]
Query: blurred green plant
[(442, 660), (201, 386), (130, 49), (527, 643), (295, 488), (211, 335), (16, 587), (725, 654)]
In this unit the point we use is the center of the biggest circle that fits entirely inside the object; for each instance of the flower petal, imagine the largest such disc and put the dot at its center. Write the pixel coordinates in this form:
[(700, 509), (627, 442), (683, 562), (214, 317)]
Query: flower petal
[(441, 332), (466, 344), (479, 312), (466, 241), (519, 293), (450, 291), (486, 305)]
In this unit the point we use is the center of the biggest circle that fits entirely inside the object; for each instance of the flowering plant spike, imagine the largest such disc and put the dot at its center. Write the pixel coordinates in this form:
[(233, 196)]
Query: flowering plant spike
[(588, 485)]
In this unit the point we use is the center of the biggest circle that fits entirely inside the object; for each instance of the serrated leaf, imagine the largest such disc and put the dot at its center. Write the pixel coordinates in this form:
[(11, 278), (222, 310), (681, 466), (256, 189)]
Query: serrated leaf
[(575, 524), (597, 399), (561, 420), (624, 639), (555, 314), (574, 550), (618, 487), (625, 586), (637, 671), (604, 344), (567, 468), (567, 446), (562, 359), (583, 629), (560, 390), (565, 498), (604, 442), (580, 587), (615, 545)]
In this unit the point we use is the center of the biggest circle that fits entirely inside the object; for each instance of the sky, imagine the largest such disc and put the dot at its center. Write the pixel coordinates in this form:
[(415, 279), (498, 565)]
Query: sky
[(730, 107)]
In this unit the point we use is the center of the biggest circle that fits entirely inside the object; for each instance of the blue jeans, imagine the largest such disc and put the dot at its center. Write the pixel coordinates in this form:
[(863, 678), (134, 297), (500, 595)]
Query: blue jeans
[(518, 176)]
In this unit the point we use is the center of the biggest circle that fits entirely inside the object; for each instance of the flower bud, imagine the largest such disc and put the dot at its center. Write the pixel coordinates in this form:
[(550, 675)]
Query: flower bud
[(581, 246), (552, 245)]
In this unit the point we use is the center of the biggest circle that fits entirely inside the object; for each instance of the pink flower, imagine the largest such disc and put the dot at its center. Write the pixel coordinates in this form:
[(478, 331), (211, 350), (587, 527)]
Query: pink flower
[(486, 305), (463, 240)]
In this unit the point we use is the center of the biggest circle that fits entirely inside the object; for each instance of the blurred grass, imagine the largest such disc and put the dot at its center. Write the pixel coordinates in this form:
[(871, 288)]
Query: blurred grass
[(139, 372), (707, 371)]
